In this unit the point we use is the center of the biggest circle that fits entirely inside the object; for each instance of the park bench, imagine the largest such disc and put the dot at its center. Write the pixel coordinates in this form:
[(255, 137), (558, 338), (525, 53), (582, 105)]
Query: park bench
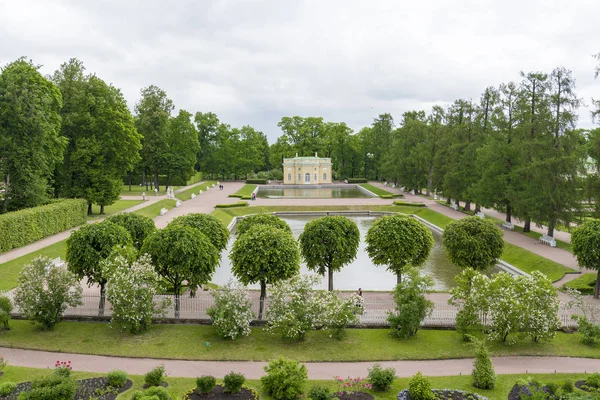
[(480, 215), (163, 211), (549, 240), (178, 203), (508, 225), (455, 207)]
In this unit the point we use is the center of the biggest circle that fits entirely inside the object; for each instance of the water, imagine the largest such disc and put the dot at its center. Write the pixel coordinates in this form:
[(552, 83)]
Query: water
[(361, 272), (311, 193)]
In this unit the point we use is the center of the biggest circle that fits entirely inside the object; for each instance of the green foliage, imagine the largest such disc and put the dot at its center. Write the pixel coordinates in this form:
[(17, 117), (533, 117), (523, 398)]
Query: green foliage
[(398, 241), (411, 305), (232, 205), (319, 393), (232, 312), (590, 332), (138, 226), (233, 382), (249, 222), (406, 203), (593, 380), (419, 388), (20, 228), (584, 284), (483, 373), (357, 180), (7, 388), (205, 384), (467, 318), (586, 240), (210, 226), (256, 181), (285, 379), (45, 291), (328, 243), (155, 376), (473, 242), (182, 140), (381, 379), (152, 393), (5, 309), (50, 388), (116, 378), (245, 191)]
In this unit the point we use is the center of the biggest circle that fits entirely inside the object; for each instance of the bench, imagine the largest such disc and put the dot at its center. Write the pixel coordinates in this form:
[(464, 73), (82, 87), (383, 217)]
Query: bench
[(193, 195), (508, 225), (549, 240), (454, 207), (480, 215), (163, 211), (178, 203)]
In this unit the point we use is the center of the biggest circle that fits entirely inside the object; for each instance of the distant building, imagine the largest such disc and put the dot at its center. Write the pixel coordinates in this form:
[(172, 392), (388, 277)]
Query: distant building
[(306, 170)]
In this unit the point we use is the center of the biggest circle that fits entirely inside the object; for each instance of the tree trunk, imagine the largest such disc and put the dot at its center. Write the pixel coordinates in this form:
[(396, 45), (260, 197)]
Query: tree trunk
[(89, 208), (145, 180), (527, 225), (467, 205), (263, 293), (551, 225), (508, 212), (156, 180), (429, 181), (330, 272), (101, 209), (102, 299), (448, 200), (130, 181), (597, 287), (477, 208), (177, 300), (167, 183)]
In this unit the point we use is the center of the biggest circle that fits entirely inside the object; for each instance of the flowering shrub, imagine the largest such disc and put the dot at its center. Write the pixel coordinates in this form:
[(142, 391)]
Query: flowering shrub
[(45, 291), (232, 312), (131, 289), (352, 386), (337, 313), (62, 368)]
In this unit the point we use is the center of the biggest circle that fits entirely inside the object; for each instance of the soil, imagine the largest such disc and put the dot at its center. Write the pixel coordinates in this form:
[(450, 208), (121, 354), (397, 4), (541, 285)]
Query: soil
[(86, 389), (218, 394), (354, 396), (581, 383), (516, 390)]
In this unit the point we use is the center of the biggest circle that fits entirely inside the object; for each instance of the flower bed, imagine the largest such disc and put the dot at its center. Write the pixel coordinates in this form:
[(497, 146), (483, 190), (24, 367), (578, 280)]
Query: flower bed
[(217, 393), (447, 394), (96, 388)]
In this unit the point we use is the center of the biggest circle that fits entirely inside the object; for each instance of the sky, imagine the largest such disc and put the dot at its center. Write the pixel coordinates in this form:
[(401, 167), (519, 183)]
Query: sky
[(253, 62)]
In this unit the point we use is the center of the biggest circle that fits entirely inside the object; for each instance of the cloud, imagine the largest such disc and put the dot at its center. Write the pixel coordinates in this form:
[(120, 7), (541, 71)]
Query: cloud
[(255, 61)]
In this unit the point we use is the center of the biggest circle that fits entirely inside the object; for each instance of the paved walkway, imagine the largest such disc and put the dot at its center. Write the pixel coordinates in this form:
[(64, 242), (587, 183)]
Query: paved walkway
[(254, 370)]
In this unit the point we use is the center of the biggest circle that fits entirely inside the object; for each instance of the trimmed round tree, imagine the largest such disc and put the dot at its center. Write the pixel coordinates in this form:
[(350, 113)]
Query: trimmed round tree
[(138, 226), (180, 253), (473, 242), (264, 255), (214, 230), (397, 241), (329, 243), (586, 242), (250, 221), (91, 244)]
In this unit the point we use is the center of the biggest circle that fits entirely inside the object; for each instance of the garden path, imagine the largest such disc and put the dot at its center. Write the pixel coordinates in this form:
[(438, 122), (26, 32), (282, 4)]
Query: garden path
[(254, 370)]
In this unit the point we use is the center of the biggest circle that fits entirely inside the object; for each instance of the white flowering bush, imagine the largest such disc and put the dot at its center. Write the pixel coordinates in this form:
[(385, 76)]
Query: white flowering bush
[(232, 312), (339, 312), (541, 304), (130, 289)]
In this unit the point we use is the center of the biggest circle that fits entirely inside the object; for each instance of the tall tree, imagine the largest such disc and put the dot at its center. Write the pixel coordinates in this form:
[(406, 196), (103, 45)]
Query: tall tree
[(183, 147), (586, 241), (207, 125), (30, 141), (152, 122)]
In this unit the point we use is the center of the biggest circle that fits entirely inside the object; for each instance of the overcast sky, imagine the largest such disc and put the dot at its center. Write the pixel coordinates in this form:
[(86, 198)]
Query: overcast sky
[(255, 61)]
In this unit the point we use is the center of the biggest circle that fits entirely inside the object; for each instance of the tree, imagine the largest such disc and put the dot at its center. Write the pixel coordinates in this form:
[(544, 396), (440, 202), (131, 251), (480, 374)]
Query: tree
[(265, 255), (207, 125), (138, 226), (180, 253), (88, 246), (30, 141), (483, 374), (473, 242), (182, 147), (45, 291), (209, 225), (249, 222), (411, 305), (397, 241), (329, 243), (152, 122), (586, 241)]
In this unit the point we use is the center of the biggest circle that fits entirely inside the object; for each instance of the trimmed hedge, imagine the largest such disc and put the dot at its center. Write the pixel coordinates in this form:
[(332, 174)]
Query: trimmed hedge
[(356, 180), (406, 203), (26, 226), (257, 181), (238, 204)]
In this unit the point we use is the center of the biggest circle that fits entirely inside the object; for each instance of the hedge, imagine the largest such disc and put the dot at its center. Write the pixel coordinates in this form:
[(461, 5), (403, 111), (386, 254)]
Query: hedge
[(257, 181), (22, 227), (356, 180), (406, 203), (238, 204)]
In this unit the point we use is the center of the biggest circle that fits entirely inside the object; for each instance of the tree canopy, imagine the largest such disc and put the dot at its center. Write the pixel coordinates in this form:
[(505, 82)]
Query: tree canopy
[(209, 225), (251, 221), (138, 226), (586, 242)]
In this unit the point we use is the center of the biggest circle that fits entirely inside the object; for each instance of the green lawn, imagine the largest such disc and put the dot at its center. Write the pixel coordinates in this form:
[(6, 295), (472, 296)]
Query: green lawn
[(585, 283), (153, 210), (245, 192), (527, 261), (9, 271), (376, 190), (179, 386), (185, 342), (137, 190), (119, 205), (187, 194)]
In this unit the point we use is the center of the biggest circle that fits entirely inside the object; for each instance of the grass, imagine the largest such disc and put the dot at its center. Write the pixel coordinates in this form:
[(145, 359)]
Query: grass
[(173, 341), (187, 194), (244, 192), (119, 205), (153, 210), (375, 190), (9, 271), (137, 190), (585, 283), (527, 261), (179, 386)]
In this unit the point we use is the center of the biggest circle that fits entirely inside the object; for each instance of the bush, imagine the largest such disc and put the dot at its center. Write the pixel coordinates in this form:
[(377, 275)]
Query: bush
[(5, 309), (7, 388), (3, 363), (356, 180), (336, 313), (50, 388), (483, 373), (138, 226), (257, 181), (419, 388), (285, 379), (411, 305), (205, 384), (589, 331), (62, 369), (233, 382), (406, 203), (568, 386), (45, 291), (593, 380), (381, 379), (232, 311), (152, 393), (319, 393), (26, 226), (116, 378), (232, 205), (155, 376)]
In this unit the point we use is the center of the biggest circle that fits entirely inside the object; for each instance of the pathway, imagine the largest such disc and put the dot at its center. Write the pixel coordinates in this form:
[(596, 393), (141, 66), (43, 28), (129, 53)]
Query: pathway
[(254, 370)]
